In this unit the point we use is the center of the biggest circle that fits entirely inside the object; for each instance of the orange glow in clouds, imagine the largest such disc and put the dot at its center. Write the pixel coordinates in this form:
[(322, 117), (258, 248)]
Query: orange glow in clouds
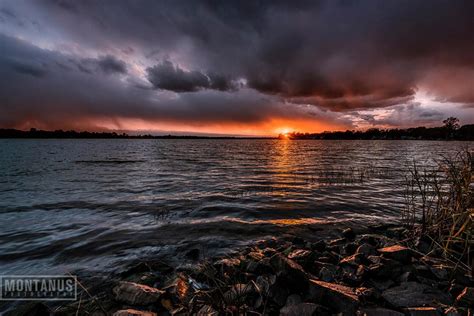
[(270, 127)]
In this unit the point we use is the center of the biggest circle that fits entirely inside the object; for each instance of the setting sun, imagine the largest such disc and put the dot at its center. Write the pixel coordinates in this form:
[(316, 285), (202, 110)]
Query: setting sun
[(284, 130)]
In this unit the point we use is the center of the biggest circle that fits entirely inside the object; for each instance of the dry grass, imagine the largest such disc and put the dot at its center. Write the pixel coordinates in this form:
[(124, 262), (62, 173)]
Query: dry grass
[(440, 206)]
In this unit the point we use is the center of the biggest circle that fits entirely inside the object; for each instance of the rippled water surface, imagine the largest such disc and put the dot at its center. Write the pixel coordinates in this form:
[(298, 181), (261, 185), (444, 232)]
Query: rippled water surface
[(69, 205)]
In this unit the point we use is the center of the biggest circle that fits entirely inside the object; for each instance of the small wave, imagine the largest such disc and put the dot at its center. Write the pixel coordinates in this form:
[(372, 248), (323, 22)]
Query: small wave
[(112, 161)]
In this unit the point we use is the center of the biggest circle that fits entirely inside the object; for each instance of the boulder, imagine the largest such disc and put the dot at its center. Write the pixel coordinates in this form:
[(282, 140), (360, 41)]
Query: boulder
[(341, 298), (421, 311), (290, 273), (301, 309), (379, 311), (396, 252), (136, 294), (413, 294), (466, 298), (133, 312), (386, 269)]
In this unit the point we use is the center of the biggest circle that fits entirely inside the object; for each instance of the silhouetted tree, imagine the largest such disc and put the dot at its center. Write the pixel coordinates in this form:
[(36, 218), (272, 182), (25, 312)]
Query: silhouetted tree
[(451, 124)]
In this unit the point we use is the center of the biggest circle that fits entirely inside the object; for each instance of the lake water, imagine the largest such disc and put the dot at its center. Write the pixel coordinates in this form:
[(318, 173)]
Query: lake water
[(95, 205)]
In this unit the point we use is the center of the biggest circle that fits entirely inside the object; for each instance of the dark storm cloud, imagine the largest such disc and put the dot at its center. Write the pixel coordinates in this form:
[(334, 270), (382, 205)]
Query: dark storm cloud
[(324, 49), (110, 64), (55, 101), (27, 68), (341, 56), (106, 64), (167, 76)]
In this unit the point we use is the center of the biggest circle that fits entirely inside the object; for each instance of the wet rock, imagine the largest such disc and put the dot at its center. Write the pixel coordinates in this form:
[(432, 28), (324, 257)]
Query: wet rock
[(326, 274), (366, 294), (353, 260), (337, 242), (178, 289), (466, 298), (413, 294), (227, 264), (319, 246), (386, 269), (395, 232), (293, 299), (341, 298), (30, 309), (351, 278), (407, 277), (366, 250), (273, 288), (423, 244), (299, 254), (301, 309), (421, 311), (379, 311), (193, 254), (256, 255), (349, 249), (136, 294), (381, 285), (289, 272), (348, 233), (396, 252), (259, 267), (298, 241), (374, 259), (133, 312), (361, 271), (373, 240), (441, 272)]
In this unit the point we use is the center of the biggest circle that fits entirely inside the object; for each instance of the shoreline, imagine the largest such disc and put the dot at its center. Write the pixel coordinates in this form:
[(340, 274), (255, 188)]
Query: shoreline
[(372, 271)]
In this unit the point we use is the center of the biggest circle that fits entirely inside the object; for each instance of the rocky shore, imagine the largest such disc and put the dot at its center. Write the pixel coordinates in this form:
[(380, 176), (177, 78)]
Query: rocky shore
[(377, 273)]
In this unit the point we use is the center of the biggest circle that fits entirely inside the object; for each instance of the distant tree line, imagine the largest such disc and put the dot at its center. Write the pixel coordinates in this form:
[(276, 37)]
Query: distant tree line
[(449, 131), (35, 133)]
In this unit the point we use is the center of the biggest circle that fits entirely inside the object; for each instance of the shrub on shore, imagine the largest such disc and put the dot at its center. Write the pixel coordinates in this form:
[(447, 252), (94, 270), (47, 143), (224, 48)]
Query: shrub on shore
[(440, 208)]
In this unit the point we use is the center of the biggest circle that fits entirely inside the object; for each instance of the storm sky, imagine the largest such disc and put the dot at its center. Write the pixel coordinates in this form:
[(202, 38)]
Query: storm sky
[(235, 67)]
